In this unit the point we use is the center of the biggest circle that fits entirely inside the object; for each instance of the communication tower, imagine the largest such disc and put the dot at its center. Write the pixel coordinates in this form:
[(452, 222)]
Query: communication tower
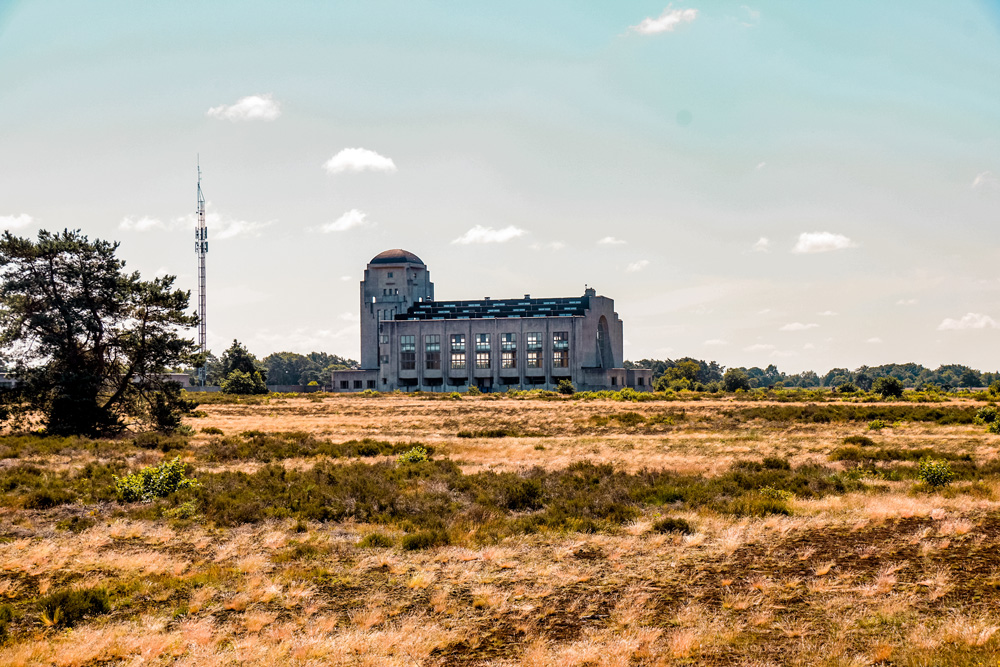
[(201, 249)]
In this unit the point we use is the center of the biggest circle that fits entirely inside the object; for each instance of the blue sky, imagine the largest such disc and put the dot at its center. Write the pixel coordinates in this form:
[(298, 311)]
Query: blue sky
[(805, 184)]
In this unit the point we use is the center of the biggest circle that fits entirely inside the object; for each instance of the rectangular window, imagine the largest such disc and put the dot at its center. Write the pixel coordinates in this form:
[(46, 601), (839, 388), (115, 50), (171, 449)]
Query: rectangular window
[(384, 358), (345, 384), (384, 339), (390, 274), (642, 381), (458, 342), (482, 359), (357, 384), (560, 359), (458, 361), (432, 352), (534, 340), (560, 349), (508, 342), (371, 384), (483, 343), (534, 359), (508, 359), (407, 353)]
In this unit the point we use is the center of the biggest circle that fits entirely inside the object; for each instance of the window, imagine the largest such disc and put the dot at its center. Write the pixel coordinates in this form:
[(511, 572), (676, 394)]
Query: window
[(482, 359), (483, 343), (371, 384), (534, 359), (458, 361), (508, 342), (508, 359), (458, 342), (614, 380), (344, 384), (383, 339), (432, 352), (534, 340), (384, 359), (407, 353), (560, 349), (390, 274), (357, 384), (642, 381)]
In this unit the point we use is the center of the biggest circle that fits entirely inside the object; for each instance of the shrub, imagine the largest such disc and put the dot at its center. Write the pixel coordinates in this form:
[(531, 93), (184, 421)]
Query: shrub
[(6, 615), (735, 379), (369, 393), (888, 387), (455, 396), (935, 472), (986, 415), (566, 388), (239, 382), (847, 388), (776, 463), (777, 494), (375, 541), (68, 607), (672, 525), (153, 482), (416, 455), (994, 427), (876, 425), (859, 440), (473, 391), (425, 539), (212, 430)]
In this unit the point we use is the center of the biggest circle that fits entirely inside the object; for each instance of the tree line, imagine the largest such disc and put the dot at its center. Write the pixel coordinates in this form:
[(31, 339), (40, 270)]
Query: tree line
[(690, 373)]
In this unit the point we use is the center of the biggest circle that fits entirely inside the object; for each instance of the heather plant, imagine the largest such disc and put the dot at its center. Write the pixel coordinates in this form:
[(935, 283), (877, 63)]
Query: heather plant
[(935, 472)]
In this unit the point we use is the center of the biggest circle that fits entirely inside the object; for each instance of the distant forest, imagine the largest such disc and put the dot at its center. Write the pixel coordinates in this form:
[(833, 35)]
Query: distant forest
[(912, 375)]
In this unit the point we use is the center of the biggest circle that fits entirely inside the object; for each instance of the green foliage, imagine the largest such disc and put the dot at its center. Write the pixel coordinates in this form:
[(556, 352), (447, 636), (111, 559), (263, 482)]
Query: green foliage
[(473, 390), (153, 482), (935, 472), (877, 425), (859, 440), (566, 388), (994, 427), (986, 415), (847, 388), (308, 369), (455, 396), (240, 382), (238, 358), (370, 393), (68, 607), (416, 455), (100, 338), (6, 616), (672, 525), (375, 541), (273, 446), (735, 379), (854, 412), (888, 387), (212, 430)]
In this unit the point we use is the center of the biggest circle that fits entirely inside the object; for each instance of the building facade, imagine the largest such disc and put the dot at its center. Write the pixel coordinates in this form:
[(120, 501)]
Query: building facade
[(411, 341)]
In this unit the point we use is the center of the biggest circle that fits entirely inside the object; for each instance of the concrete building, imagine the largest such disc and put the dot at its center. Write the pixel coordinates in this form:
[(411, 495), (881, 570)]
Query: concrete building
[(411, 341)]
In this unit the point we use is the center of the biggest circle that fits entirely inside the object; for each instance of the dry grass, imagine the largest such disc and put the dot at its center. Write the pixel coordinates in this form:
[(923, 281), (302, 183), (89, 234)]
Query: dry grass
[(893, 577)]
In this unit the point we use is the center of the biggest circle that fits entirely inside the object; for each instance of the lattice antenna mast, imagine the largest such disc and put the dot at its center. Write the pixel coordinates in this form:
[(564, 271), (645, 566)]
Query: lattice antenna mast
[(201, 249)]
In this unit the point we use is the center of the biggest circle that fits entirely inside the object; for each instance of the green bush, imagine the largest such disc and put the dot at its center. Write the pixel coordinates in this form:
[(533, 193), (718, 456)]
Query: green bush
[(847, 388), (473, 391), (672, 525), (239, 382), (370, 393), (859, 440), (212, 430), (994, 427), (887, 387), (566, 388), (68, 607), (986, 415), (6, 616), (736, 379), (375, 541), (935, 472), (416, 455), (153, 482), (876, 425)]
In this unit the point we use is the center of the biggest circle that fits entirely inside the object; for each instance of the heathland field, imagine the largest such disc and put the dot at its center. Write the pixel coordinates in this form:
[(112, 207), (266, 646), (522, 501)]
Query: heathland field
[(772, 528)]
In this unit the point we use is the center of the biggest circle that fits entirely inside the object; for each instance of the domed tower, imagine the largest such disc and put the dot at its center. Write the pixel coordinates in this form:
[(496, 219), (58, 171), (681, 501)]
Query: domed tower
[(394, 281)]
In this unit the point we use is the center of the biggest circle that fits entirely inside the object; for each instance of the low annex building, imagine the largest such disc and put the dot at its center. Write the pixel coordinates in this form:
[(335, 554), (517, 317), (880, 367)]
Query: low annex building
[(411, 341)]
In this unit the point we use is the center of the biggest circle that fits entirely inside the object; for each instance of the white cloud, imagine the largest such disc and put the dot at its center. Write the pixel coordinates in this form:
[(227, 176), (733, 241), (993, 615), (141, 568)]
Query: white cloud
[(759, 347), (251, 107), (753, 17), (763, 311), (611, 240), (760, 165), (219, 228), (637, 266), (798, 326), (665, 22), (906, 302), (827, 313), (822, 242), (968, 321), (763, 244), (874, 339), (15, 221), (808, 346), (350, 316), (986, 181), (346, 278), (143, 224), (480, 234), (554, 246), (358, 159), (350, 220), (716, 341)]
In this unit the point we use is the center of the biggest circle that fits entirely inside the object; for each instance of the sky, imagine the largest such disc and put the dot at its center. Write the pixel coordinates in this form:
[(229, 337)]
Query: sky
[(812, 185)]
